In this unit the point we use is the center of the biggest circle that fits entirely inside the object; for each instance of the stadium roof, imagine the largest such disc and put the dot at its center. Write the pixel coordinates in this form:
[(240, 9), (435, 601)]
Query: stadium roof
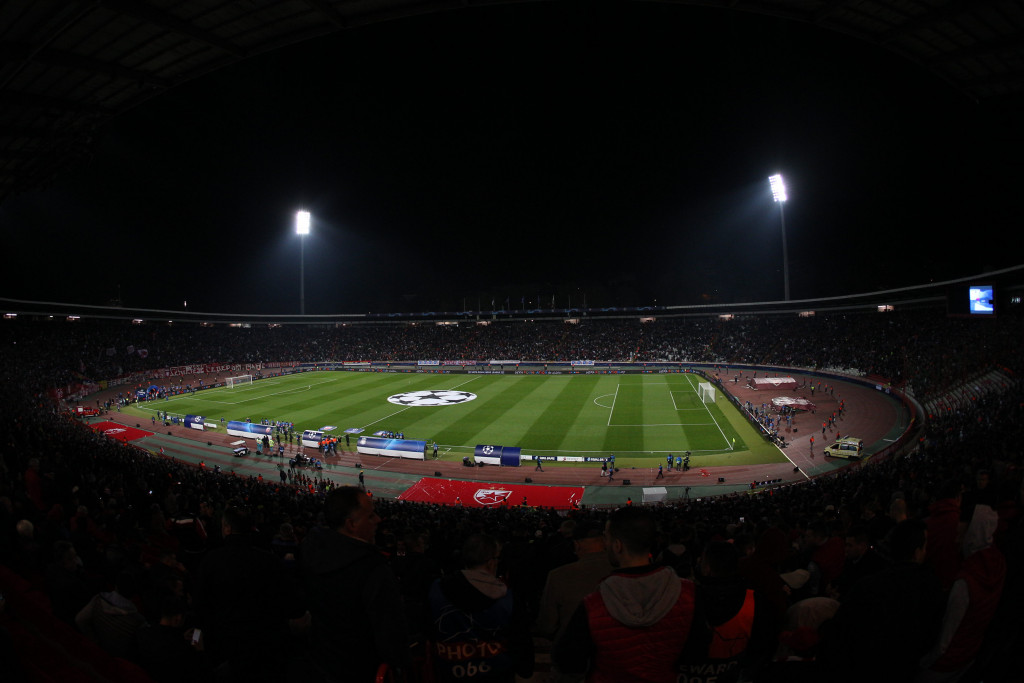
[(68, 67)]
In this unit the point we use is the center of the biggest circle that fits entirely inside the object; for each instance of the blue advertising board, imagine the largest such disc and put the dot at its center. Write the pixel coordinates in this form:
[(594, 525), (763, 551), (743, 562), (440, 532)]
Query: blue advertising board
[(311, 438), (395, 448), (248, 430), (506, 456)]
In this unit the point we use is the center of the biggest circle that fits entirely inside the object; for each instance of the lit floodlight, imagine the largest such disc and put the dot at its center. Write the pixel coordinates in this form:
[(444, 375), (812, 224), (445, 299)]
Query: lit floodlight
[(778, 187), (302, 223), (779, 193)]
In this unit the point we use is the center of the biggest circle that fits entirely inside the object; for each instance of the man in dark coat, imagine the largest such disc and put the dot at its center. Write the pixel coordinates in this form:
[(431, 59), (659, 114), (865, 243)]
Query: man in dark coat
[(358, 619), (244, 601), (888, 620)]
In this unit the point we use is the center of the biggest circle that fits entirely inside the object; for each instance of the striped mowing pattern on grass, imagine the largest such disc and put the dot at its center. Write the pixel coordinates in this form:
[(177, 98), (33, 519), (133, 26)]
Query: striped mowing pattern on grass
[(638, 415)]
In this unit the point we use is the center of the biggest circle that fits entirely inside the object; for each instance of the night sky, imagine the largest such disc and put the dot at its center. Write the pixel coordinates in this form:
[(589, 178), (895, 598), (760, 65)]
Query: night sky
[(614, 156)]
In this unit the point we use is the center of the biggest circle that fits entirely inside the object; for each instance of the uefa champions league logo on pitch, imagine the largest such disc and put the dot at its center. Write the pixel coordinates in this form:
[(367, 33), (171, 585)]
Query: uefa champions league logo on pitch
[(441, 397)]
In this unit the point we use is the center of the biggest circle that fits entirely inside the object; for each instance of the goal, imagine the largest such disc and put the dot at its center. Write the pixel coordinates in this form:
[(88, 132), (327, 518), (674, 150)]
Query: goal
[(232, 382), (706, 392)]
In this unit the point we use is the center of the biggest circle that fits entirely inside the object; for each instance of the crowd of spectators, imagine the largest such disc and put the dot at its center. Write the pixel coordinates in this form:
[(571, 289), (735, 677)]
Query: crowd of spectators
[(923, 350), (856, 575)]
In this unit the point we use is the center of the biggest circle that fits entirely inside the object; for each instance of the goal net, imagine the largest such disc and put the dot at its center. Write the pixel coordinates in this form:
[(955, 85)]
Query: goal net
[(232, 382), (706, 392)]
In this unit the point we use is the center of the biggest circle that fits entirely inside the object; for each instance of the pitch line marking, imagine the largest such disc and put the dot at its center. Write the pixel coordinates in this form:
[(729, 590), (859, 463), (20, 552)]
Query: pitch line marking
[(611, 411), (669, 424), (255, 398), (728, 445), (397, 412)]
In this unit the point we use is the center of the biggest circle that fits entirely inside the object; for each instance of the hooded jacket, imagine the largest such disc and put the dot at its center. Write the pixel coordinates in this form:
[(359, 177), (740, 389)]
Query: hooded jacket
[(480, 631), (639, 620)]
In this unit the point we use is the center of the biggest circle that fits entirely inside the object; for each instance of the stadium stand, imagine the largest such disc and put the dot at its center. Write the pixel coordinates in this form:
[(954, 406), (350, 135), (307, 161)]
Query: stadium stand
[(117, 505)]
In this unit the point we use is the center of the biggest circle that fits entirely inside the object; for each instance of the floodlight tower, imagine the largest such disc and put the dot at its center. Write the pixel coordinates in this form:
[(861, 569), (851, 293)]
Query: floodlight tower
[(779, 193), (302, 221)]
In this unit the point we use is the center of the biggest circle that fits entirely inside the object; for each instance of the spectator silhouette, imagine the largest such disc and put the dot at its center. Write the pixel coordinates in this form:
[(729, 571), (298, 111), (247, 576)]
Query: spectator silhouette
[(862, 560), (111, 619), (66, 583), (480, 629), (416, 573), (889, 620), (972, 602), (826, 557), (731, 629), (568, 584), (166, 649), (635, 625), (244, 603), (943, 522), (358, 619)]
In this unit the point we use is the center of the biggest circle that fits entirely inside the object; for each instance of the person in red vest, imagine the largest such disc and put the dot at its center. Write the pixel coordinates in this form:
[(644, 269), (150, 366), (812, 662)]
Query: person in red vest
[(635, 625)]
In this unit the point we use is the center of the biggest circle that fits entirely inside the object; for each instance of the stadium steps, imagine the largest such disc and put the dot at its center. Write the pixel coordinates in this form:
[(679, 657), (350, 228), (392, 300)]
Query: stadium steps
[(965, 394)]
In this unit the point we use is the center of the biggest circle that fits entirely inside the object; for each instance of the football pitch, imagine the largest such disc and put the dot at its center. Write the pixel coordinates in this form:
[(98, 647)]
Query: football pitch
[(639, 418)]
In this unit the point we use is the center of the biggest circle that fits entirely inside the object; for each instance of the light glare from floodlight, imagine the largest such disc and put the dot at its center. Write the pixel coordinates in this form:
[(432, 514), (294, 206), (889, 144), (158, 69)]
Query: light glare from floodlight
[(778, 187), (302, 223)]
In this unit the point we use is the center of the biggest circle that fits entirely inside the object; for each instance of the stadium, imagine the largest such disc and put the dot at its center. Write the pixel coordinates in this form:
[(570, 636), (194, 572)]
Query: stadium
[(166, 467)]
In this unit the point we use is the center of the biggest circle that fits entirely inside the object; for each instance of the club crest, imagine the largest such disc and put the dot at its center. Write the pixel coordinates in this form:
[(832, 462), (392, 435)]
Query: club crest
[(491, 496)]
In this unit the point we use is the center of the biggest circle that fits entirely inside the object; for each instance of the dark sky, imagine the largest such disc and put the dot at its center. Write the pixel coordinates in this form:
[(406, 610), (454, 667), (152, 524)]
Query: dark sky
[(532, 151)]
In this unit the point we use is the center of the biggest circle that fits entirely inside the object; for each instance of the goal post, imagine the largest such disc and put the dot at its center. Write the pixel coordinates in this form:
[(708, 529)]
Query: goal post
[(232, 382), (706, 392)]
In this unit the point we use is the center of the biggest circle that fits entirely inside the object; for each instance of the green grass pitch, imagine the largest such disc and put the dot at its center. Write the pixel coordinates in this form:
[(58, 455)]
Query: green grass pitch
[(639, 418)]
